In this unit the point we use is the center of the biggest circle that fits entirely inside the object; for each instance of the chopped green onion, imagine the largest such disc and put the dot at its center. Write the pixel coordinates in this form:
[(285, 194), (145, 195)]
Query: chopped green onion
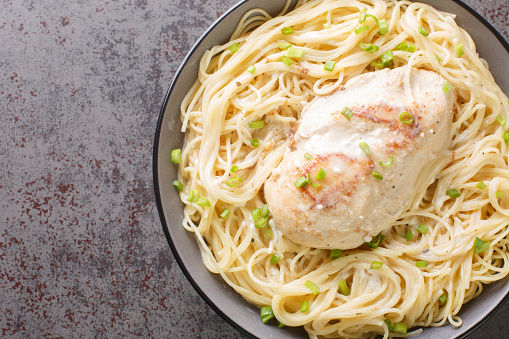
[(275, 258), (261, 222), (346, 112), (389, 163), (378, 176), (387, 58), (178, 185), (501, 120), (361, 29), (374, 17), (269, 233), (234, 48), (423, 31), (422, 229), (266, 314), (311, 183), (506, 137), (284, 45), (382, 25), (203, 202), (326, 26), (376, 241), (225, 213), (365, 147), (329, 65), (287, 30), (406, 117), (193, 195), (294, 52), (362, 16), (256, 213), (453, 193), (375, 265), (234, 169), (411, 48), (402, 46), (335, 254), (500, 194), (251, 69), (459, 50), (408, 235), (176, 156), (312, 286), (286, 60), (370, 48), (480, 246), (304, 306), (343, 287), (301, 182), (400, 328), (446, 87), (389, 324), (257, 124), (308, 156), (421, 263), (265, 211), (279, 324), (255, 142), (235, 181), (481, 185), (438, 59), (377, 64), (321, 174), (443, 298)]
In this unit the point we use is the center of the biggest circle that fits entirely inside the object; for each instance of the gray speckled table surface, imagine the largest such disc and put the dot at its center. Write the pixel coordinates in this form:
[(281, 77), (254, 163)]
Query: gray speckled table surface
[(82, 252)]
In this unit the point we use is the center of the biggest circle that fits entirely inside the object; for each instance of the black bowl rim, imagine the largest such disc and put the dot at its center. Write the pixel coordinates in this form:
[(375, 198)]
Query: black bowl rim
[(155, 172)]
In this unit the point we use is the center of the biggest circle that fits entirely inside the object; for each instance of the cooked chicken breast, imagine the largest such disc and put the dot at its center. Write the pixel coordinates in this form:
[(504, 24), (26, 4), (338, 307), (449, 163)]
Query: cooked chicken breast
[(351, 206)]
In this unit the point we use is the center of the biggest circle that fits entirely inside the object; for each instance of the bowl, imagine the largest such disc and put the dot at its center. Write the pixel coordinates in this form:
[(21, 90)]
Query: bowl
[(222, 298)]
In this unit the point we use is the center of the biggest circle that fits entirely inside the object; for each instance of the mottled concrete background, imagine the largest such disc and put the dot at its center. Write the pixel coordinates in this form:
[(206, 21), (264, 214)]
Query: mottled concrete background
[(82, 252)]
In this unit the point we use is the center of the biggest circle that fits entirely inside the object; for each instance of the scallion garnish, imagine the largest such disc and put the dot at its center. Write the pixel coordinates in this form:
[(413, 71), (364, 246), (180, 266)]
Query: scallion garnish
[(279, 324), (421, 263), (284, 45), (304, 306), (481, 185), (234, 48), (376, 241), (500, 194), (335, 254), (443, 298), (275, 258), (269, 233), (225, 213), (438, 59), (294, 52), (329, 65), (287, 30), (378, 176), (400, 328), (343, 288), (480, 246), (286, 60), (265, 211), (453, 193), (321, 174), (387, 58), (411, 48), (255, 142), (312, 286), (377, 64), (310, 182), (326, 26), (370, 48), (235, 181), (251, 69), (505, 136), (408, 235), (446, 87), (389, 163), (406, 117), (234, 169), (193, 195), (459, 50), (423, 31), (301, 182), (346, 112), (308, 156), (362, 16), (422, 229), (501, 120), (178, 185), (176, 156), (364, 147), (402, 46), (266, 314), (361, 29), (203, 202), (375, 265), (382, 25), (256, 213), (261, 222), (257, 124)]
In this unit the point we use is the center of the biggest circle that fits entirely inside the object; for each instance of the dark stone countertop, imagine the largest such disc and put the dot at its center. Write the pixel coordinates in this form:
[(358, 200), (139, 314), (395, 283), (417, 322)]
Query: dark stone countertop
[(82, 252)]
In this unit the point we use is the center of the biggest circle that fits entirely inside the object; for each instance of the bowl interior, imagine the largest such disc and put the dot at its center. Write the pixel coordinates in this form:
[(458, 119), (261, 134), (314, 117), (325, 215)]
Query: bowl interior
[(230, 305)]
